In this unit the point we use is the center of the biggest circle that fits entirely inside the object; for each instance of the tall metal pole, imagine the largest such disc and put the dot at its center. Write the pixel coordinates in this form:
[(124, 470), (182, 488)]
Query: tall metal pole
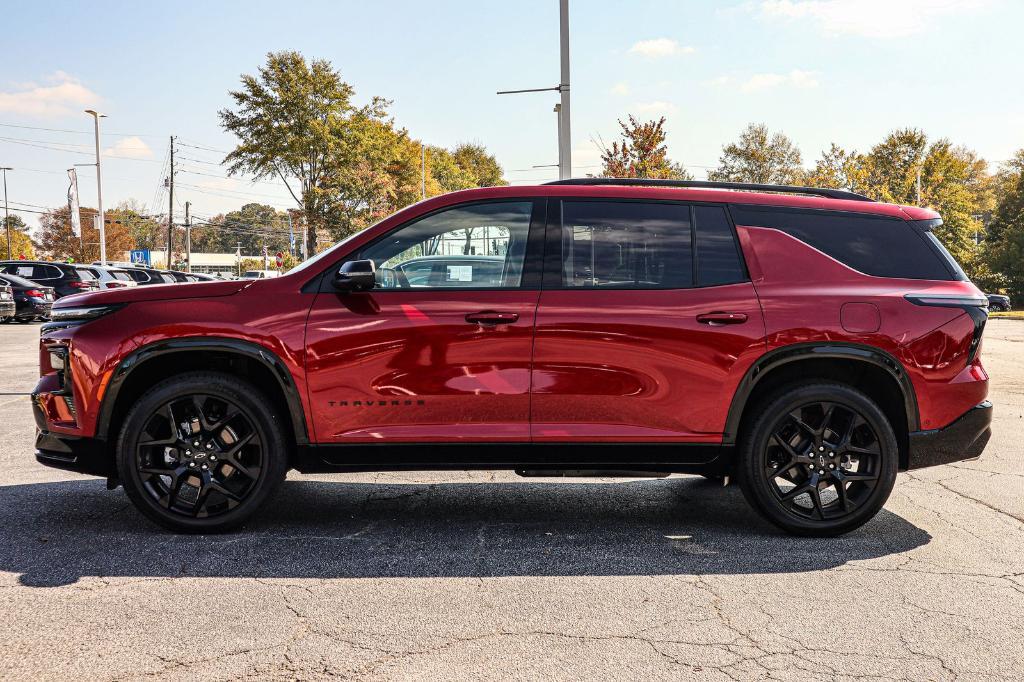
[(564, 133), (99, 188), (170, 207), (7, 216), (305, 239), (188, 238), (423, 170)]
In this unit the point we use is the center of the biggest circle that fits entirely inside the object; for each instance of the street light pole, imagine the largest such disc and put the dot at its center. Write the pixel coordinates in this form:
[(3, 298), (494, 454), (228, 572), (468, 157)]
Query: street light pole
[(99, 188), (564, 131), (7, 216), (564, 134)]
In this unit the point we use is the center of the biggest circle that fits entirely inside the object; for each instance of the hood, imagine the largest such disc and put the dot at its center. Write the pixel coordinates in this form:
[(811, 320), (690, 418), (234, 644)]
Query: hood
[(155, 292)]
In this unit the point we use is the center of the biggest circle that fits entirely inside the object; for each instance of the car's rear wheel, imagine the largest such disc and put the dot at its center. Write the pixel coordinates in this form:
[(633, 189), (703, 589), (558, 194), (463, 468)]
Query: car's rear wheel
[(818, 459), (201, 452)]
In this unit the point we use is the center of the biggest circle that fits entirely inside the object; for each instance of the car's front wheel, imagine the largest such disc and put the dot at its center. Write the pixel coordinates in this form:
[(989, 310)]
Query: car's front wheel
[(818, 459), (201, 452)]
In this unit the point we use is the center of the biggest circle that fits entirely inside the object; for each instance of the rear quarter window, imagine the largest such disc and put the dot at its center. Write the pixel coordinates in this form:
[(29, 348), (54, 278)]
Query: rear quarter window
[(875, 245)]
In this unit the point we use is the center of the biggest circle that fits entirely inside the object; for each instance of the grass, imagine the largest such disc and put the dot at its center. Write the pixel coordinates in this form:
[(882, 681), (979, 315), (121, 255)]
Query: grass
[(1011, 315)]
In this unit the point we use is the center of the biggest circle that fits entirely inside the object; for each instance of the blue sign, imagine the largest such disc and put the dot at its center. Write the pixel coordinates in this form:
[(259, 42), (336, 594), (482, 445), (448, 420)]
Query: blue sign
[(141, 257)]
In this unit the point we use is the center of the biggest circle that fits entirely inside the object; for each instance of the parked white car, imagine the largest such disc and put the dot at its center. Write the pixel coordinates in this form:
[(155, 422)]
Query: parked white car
[(260, 274), (111, 277)]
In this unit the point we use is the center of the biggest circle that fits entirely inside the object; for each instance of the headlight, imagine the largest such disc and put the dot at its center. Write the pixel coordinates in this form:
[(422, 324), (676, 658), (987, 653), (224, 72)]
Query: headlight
[(81, 313)]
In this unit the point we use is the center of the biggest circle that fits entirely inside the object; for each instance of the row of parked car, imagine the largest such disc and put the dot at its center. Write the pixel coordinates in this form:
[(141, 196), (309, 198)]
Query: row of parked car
[(29, 288)]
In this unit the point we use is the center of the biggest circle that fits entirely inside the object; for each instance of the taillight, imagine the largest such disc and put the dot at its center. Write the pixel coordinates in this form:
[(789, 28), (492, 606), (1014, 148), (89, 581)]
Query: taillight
[(975, 306), (35, 293), (80, 285), (114, 285)]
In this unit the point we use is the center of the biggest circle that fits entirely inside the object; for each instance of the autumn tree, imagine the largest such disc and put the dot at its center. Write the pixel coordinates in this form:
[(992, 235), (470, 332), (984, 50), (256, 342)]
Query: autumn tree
[(57, 239), (252, 227), (21, 242), (759, 157), (641, 153), (839, 169)]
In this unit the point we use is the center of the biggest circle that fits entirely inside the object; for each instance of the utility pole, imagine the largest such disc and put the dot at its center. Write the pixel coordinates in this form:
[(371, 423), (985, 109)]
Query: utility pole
[(170, 207), (99, 188), (564, 130), (188, 237), (919, 186), (423, 170), (305, 237), (7, 216), (291, 234), (238, 258)]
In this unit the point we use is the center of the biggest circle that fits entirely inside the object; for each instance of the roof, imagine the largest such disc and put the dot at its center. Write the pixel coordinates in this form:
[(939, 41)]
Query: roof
[(680, 194)]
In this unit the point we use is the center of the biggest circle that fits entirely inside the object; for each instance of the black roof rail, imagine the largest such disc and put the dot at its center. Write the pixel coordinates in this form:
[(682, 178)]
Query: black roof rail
[(707, 184)]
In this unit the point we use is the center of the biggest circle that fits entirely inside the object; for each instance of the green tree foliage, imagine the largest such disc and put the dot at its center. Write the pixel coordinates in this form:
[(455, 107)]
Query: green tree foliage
[(346, 166), (760, 157), (641, 153), (296, 121), (1004, 249), (839, 169), (252, 226)]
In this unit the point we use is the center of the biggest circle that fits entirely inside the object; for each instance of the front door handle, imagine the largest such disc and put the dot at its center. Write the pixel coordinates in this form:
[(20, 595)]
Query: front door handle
[(718, 319), (491, 317)]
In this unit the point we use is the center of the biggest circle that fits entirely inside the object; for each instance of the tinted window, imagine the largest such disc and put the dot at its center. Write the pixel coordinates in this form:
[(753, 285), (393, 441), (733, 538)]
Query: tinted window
[(718, 256), (87, 274), (492, 229), (626, 245), (120, 274), (138, 275), (874, 245)]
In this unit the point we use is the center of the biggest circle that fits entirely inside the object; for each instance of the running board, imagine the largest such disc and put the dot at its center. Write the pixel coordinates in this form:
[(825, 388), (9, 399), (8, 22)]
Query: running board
[(588, 473)]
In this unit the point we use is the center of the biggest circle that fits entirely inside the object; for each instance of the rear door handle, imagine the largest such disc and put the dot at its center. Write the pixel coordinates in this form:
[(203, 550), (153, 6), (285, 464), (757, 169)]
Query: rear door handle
[(491, 317), (718, 319)]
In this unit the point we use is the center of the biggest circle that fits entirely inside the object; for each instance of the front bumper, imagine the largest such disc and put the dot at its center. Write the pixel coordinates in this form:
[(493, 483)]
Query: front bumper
[(964, 439), (71, 453)]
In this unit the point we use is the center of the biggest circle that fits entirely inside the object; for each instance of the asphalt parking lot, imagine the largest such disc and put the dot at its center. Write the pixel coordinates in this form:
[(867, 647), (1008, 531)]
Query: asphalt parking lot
[(481, 575)]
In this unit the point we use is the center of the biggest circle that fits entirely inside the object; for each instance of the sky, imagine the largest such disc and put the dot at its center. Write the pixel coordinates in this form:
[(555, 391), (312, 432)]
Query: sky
[(820, 71)]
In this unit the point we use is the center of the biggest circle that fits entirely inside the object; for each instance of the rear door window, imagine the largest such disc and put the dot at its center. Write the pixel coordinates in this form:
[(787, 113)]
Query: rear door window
[(626, 245), (121, 275), (87, 275), (875, 245), (137, 275), (718, 254)]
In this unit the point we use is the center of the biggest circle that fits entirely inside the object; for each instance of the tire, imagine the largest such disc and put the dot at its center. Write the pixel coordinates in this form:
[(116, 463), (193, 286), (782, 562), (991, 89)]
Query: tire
[(818, 459), (219, 472)]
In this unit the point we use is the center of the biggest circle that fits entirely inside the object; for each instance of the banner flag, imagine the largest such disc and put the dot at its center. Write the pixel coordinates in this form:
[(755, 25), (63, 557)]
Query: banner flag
[(76, 225)]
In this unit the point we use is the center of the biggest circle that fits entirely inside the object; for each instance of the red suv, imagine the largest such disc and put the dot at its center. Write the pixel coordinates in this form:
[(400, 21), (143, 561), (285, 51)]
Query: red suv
[(809, 343)]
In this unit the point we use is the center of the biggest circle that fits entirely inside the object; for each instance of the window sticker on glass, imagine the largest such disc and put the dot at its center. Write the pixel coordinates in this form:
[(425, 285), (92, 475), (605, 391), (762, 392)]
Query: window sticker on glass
[(24, 271), (460, 273)]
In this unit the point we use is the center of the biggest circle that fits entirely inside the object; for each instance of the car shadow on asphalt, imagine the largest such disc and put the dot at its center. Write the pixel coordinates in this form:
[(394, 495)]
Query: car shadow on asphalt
[(55, 533)]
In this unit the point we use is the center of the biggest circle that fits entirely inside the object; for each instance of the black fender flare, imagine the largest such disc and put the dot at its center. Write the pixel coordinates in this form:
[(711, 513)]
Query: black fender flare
[(246, 349), (818, 350)]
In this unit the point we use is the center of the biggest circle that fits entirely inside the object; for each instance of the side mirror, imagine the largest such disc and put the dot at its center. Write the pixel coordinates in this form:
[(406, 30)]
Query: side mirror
[(355, 275)]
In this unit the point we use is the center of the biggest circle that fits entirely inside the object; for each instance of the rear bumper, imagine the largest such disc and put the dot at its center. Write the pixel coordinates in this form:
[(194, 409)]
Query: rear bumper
[(34, 308), (964, 439), (6, 308)]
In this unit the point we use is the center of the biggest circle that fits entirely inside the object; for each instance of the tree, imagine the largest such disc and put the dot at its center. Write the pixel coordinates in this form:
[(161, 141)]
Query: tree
[(1004, 250), (641, 153), (839, 169), (253, 226), (760, 157), (21, 243), (296, 121), (57, 239)]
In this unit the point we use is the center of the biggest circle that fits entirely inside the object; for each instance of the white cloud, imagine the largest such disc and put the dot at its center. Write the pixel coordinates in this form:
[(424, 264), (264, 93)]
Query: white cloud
[(620, 89), (767, 81), (660, 47), (656, 107), (866, 18), (64, 95), (131, 148)]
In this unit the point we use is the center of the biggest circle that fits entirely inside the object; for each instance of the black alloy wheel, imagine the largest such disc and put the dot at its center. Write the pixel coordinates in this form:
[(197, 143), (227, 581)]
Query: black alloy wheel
[(820, 459), (200, 452)]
